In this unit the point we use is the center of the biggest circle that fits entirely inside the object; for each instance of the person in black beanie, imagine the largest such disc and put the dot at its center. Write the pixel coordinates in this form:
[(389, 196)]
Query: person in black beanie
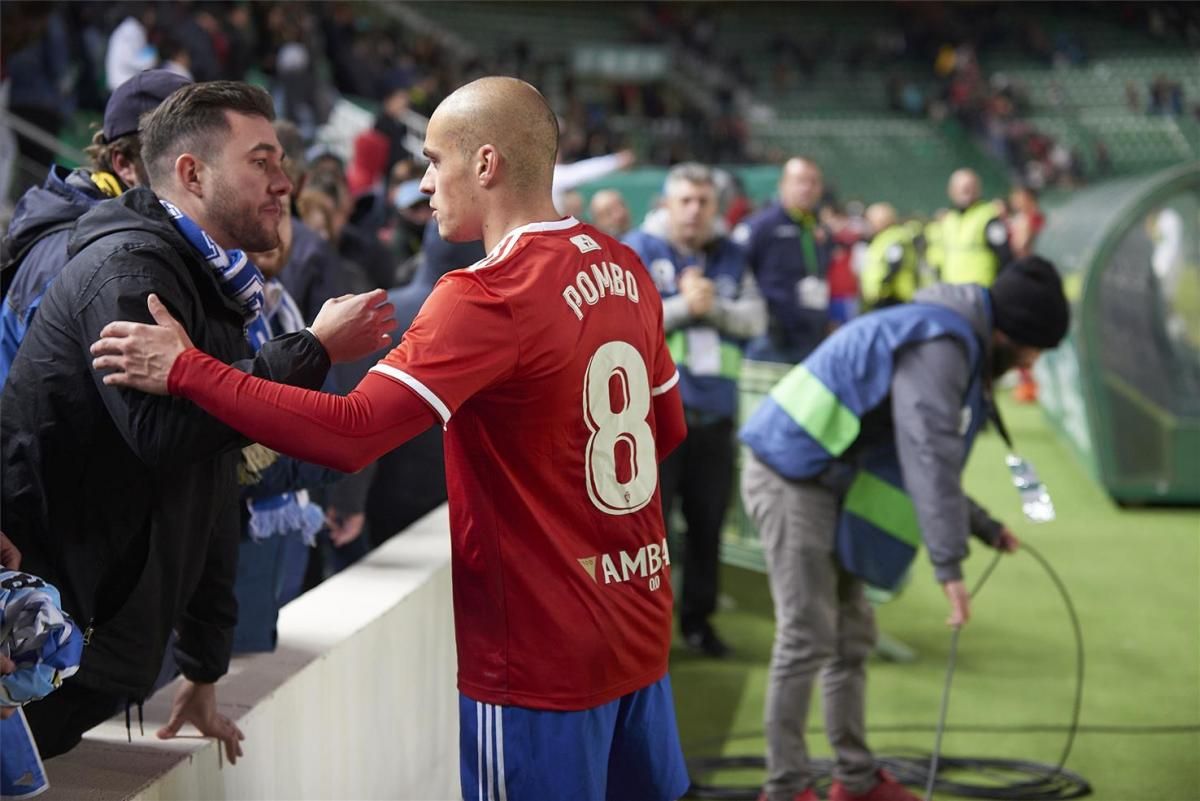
[(1029, 305), (854, 458), (1029, 309)]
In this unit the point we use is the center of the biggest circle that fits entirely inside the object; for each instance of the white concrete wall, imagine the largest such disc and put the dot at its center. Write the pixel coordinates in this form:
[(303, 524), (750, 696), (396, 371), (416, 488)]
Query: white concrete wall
[(358, 701)]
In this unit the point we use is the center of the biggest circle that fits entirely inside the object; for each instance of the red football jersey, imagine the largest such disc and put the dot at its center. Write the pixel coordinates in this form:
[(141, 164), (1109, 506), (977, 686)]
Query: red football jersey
[(542, 361)]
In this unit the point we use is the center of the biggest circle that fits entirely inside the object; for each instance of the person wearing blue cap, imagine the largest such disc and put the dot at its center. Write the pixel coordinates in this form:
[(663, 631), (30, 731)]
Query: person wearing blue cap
[(35, 248)]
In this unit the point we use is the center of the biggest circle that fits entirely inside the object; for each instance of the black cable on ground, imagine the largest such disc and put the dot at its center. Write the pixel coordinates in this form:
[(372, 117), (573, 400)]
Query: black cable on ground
[(931, 779), (974, 728), (970, 777)]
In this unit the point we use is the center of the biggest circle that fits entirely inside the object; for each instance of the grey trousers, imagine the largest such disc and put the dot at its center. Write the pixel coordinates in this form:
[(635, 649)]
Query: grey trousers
[(823, 624)]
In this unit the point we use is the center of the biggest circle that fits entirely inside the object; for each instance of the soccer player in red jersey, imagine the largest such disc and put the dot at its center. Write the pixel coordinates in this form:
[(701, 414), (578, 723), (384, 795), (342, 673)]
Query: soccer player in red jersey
[(547, 365)]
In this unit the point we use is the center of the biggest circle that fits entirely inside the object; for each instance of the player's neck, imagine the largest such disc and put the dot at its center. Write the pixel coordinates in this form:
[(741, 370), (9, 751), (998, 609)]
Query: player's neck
[(508, 217)]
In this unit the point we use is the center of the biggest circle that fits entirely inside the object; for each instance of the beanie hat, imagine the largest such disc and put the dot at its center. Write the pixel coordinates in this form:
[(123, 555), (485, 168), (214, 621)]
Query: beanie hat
[(1029, 305)]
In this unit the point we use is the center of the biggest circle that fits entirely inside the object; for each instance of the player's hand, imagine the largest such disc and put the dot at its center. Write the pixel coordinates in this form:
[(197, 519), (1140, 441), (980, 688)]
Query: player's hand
[(354, 326), (1007, 542), (196, 703), (960, 603), (141, 356), (10, 557)]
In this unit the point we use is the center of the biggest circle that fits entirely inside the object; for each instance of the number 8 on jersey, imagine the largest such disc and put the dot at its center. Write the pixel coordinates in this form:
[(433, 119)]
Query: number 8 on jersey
[(622, 469)]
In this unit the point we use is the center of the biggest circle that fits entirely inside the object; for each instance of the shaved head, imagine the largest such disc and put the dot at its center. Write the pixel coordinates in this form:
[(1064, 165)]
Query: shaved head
[(510, 115), (801, 185), (880, 216), (609, 213), (491, 147), (964, 188)]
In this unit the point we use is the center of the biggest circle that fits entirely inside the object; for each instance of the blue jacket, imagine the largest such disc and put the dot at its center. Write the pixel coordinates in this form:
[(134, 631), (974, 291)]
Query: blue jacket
[(782, 253), (886, 411), (708, 351), (817, 412), (42, 223)]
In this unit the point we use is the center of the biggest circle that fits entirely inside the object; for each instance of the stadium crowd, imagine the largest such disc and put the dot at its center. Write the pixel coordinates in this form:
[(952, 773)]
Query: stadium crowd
[(352, 248)]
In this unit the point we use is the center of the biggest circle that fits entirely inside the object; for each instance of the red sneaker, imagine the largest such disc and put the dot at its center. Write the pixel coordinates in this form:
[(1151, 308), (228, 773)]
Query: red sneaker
[(808, 795), (888, 789), (1026, 390)]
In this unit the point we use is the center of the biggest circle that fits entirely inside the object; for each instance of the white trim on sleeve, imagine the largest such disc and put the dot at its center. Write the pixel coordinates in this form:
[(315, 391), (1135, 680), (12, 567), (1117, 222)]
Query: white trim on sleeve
[(416, 386), (665, 388)]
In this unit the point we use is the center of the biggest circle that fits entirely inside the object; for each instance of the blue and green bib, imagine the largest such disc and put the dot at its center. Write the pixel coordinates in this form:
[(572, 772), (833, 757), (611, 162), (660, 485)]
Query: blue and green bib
[(814, 416)]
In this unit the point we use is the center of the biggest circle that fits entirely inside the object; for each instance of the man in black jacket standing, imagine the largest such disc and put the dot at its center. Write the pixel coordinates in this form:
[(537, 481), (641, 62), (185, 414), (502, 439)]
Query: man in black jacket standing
[(126, 502)]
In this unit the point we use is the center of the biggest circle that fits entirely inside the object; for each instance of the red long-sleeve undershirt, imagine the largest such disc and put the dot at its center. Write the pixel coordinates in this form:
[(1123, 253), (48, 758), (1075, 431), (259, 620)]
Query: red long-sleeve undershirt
[(345, 432)]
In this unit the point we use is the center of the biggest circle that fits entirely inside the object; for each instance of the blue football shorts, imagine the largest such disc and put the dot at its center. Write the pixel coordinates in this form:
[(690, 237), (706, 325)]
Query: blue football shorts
[(625, 750)]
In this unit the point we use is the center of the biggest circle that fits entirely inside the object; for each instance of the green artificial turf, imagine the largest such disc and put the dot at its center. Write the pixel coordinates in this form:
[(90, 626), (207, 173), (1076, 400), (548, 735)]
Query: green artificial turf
[(1134, 575)]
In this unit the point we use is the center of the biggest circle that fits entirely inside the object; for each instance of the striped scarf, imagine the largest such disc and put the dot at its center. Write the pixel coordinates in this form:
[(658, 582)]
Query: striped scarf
[(243, 284), (291, 511), (237, 276)]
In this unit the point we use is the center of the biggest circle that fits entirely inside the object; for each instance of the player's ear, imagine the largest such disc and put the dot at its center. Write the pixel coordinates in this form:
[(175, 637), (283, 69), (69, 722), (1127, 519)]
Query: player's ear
[(487, 165)]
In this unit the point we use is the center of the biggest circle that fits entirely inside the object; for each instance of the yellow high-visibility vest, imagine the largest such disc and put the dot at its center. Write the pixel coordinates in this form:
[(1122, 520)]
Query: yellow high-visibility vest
[(874, 284), (935, 254), (968, 259)]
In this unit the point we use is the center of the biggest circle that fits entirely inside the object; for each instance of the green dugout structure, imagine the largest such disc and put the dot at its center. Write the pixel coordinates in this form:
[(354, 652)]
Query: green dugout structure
[(1124, 389)]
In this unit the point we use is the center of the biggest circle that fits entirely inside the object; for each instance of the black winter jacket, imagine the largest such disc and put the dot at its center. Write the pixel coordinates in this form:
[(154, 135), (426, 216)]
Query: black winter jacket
[(128, 502)]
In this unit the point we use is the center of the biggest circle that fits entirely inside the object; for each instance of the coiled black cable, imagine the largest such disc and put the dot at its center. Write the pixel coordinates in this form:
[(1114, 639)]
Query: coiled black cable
[(1003, 779)]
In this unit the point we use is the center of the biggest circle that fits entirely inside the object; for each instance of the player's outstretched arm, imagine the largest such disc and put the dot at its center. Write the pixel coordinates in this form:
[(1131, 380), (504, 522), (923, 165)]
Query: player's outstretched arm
[(345, 433), (141, 356)]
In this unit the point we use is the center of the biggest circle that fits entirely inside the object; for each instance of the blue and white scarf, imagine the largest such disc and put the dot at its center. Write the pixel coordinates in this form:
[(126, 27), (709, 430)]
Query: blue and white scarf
[(291, 511), (267, 310), (239, 279)]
